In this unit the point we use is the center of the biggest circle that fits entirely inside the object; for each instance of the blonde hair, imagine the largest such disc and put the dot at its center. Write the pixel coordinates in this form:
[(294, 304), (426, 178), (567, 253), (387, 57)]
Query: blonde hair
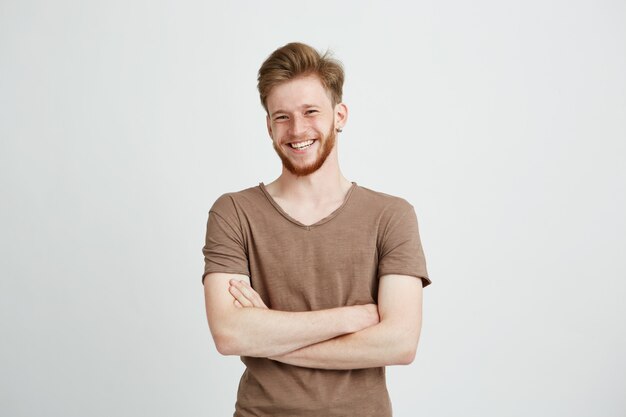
[(297, 59)]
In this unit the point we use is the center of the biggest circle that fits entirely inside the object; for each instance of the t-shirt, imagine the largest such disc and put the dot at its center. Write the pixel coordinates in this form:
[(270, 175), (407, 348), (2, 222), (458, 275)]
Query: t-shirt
[(334, 262)]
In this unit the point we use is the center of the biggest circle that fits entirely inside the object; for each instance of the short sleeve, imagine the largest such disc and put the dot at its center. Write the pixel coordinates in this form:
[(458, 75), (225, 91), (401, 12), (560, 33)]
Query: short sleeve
[(224, 249), (400, 250)]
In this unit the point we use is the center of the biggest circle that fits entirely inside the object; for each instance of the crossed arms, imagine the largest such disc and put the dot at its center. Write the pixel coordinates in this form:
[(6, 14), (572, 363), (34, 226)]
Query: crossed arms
[(349, 337)]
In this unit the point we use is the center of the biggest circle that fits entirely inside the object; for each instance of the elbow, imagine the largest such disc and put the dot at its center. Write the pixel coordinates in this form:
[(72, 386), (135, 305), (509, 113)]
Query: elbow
[(227, 340), (406, 350), (223, 347), (407, 355), (225, 344)]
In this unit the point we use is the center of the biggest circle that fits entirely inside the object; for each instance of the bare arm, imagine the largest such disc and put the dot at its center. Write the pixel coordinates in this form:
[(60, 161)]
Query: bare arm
[(393, 341), (258, 331)]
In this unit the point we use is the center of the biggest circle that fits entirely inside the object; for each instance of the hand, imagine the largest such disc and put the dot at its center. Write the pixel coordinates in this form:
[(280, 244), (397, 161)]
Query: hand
[(244, 295)]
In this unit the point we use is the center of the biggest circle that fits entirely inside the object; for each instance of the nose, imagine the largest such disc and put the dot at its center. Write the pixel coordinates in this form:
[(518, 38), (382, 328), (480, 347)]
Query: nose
[(298, 126)]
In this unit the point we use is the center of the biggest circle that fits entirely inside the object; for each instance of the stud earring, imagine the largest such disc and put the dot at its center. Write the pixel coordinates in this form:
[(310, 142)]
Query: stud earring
[(339, 130)]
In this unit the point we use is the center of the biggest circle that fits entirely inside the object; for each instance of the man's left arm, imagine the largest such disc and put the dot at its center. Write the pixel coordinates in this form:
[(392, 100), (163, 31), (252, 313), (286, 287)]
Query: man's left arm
[(393, 341)]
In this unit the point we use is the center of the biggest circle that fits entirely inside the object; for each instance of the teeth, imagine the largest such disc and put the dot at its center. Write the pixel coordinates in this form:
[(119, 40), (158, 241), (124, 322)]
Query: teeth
[(301, 145)]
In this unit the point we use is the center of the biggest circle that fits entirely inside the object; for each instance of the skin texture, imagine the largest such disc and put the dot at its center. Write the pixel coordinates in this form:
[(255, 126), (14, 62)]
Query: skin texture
[(392, 341), (262, 332)]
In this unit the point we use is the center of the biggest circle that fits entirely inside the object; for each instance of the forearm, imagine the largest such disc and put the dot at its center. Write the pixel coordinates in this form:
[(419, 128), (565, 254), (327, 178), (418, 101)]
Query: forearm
[(380, 345), (263, 332)]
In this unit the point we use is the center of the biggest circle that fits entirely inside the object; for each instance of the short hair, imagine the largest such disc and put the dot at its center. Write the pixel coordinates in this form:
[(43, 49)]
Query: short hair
[(297, 59)]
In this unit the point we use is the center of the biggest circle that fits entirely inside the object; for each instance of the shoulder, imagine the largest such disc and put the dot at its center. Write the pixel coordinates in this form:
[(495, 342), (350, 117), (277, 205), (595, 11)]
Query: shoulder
[(232, 202), (389, 212), (382, 202)]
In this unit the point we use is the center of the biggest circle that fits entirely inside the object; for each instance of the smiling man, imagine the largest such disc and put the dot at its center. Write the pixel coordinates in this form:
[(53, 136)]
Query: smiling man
[(314, 281)]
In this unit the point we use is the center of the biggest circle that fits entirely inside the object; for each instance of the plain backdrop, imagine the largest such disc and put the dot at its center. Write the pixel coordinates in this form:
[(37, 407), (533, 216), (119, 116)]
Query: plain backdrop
[(502, 122)]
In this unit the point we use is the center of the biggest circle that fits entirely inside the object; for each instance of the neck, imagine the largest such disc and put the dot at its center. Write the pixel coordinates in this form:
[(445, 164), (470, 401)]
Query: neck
[(327, 183)]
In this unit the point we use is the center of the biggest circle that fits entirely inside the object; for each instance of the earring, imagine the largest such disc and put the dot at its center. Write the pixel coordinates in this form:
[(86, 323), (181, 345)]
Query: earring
[(339, 130)]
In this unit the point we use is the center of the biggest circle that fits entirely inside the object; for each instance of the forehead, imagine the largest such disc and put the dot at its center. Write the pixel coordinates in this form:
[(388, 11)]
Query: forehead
[(293, 94)]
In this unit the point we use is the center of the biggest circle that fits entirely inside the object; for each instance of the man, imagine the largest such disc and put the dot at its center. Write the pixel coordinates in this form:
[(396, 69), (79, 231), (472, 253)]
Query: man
[(315, 281)]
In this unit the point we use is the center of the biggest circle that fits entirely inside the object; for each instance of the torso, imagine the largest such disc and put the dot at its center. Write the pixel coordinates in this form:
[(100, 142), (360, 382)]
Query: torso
[(300, 261)]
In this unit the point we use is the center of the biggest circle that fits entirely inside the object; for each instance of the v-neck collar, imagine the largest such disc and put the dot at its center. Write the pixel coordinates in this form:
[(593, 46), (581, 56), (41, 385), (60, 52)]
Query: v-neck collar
[(317, 223)]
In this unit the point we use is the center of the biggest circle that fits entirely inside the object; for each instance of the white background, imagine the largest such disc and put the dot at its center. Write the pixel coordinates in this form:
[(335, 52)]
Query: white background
[(502, 122)]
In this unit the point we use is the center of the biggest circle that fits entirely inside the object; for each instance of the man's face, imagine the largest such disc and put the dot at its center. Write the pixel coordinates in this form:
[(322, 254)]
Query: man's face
[(301, 122)]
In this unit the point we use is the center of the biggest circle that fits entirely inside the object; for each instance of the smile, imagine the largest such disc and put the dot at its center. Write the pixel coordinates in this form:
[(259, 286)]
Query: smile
[(302, 145)]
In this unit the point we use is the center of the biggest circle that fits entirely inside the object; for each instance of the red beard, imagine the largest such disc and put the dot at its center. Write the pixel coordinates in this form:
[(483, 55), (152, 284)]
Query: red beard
[(326, 145)]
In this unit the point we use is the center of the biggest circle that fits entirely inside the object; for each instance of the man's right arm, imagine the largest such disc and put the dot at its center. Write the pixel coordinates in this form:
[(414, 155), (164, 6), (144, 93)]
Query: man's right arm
[(263, 332)]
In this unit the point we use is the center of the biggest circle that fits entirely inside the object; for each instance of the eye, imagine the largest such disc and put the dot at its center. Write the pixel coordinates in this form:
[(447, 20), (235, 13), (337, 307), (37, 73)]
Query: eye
[(283, 117), (311, 111)]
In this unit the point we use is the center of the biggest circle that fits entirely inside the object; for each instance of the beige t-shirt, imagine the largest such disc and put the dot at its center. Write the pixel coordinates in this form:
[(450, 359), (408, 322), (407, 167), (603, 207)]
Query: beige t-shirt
[(294, 267)]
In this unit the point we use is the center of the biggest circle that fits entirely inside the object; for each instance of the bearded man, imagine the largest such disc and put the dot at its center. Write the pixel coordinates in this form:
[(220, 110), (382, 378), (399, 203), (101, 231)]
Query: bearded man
[(314, 281)]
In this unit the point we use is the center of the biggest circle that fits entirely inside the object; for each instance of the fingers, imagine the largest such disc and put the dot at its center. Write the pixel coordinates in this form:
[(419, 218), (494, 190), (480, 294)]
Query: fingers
[(245, 294), (240, 296)]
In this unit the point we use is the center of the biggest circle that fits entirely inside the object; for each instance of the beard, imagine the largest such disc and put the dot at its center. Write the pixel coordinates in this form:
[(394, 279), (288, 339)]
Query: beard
[(326, 145)]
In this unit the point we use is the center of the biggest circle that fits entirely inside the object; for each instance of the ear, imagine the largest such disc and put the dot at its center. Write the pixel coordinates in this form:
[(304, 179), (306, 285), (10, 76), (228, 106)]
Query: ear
[(269, 126), (341, 115)]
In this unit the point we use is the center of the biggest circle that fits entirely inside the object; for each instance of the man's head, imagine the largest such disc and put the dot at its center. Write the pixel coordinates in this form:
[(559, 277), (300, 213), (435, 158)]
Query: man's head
[(301, 92)]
